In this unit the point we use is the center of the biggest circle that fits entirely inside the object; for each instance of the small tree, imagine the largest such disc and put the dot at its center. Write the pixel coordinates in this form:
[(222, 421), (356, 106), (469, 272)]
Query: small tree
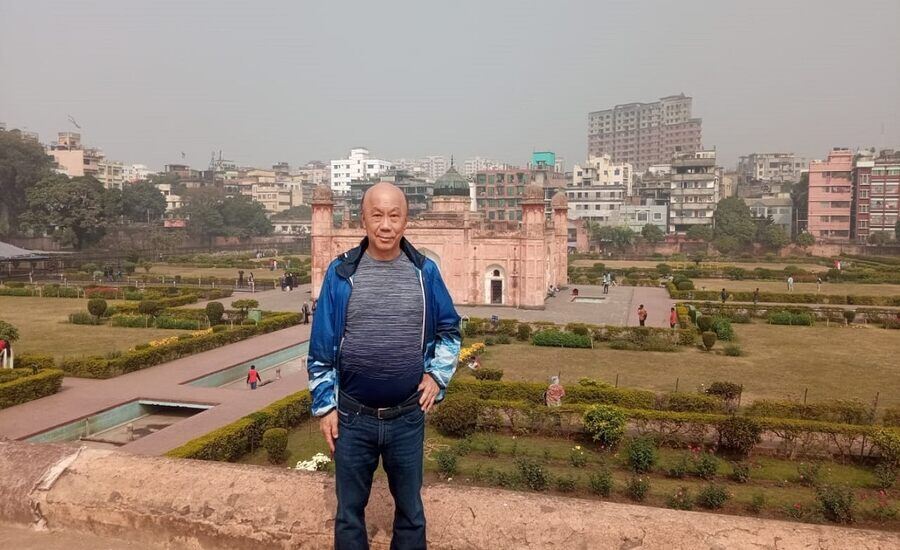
[(214, 312), (879, 238), (97, 307), (700, 233), (805, 240), (8, 332), (274, 440), (709, 340), (652, 233), (148, 307)]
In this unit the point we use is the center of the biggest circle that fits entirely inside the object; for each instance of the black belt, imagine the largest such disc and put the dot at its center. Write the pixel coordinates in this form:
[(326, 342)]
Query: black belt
[(348, 404)]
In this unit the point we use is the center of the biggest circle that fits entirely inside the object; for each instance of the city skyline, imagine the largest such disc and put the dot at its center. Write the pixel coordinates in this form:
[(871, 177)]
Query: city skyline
[(499, 80)]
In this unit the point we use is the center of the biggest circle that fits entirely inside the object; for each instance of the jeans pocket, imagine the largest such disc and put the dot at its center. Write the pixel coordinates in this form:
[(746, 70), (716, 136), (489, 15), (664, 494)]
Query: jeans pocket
[(414, 417), (347, 419)]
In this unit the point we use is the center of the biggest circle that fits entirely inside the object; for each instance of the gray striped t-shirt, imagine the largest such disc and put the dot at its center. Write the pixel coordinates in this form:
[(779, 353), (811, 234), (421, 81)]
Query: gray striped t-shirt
[(381, 357)]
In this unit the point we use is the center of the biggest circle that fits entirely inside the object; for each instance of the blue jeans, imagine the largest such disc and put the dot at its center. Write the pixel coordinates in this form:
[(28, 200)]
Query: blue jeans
[(398, 442)]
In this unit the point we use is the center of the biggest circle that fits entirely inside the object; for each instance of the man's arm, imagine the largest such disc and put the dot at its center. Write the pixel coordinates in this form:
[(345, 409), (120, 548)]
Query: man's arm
[(447, 337), (320, 363)]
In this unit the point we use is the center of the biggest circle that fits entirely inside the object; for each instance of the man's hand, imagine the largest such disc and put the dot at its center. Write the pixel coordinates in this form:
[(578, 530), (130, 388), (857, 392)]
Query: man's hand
[(329, 426), (430, 391)]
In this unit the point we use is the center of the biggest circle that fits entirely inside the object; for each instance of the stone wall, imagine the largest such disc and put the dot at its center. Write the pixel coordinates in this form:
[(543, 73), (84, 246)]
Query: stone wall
[(165, 503)]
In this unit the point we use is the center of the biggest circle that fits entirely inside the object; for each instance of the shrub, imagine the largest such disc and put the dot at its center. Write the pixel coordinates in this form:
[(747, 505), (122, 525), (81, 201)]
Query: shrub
[(739, 434), (149, 307), (788, 318), (490, 447), (134, 321), (680, 468), (849, 315), (740, 472), (709, 339), (26, 385), (532, 474), (888, 442), (457, 416), (601, 482), (885, 475), (577, 457), (489, 341), (712, 497), (844, 411), (214, 312), (691, 402), (810, 473), (557, 338), (97, 307), (83, 318), (274, 440), (835, 503), (681, 499), (642, 454), (728, 391), (706, 466), (722, 327), (757, 502), (446, 463), (891, 416), (578, 328), (685, 284), (168, 322), (524, 332), (605, 424), (565, 484), (34, 361), (637, 488), (733, 350), (484, 373), (704, 323), (503, 339)]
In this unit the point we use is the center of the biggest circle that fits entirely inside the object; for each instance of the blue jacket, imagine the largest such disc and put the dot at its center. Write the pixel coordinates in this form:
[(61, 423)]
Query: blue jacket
[(441, 337)]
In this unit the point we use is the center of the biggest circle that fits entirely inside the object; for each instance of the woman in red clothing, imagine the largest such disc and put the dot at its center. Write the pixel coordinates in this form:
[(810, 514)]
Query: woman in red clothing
[(673, 318)]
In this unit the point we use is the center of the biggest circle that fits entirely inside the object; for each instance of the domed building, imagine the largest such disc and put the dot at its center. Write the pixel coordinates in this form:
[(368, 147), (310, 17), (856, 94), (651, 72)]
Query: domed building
[(482, 263)]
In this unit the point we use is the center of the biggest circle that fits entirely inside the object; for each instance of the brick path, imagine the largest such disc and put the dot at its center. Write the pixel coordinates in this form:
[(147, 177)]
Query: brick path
[(82, 397)]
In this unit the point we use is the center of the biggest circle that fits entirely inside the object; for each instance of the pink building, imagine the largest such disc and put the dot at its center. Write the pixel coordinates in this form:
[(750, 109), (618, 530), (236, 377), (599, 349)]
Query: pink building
[(831, 196), (481, 263)]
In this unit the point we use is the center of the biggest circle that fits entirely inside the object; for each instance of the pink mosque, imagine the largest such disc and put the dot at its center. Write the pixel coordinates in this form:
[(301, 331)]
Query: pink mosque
[(481, 263)]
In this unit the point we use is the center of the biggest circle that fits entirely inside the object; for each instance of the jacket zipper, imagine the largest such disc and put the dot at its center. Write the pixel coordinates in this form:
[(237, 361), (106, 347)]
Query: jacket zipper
[(424, 308), (341, 344)]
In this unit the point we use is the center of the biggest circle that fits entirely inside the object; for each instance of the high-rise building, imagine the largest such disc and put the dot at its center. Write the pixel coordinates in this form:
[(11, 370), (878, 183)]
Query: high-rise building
[(771, 167), (358, 166), (693, 190), (831, 196), (598, 189), (642, 134), (876, 193)]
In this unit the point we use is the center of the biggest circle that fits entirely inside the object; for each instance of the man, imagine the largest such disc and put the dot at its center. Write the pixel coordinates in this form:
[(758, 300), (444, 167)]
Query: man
[(642, 315), (790, 283), (756, 296), (724, 295), (253, 377), (304, 313), (384, 345)]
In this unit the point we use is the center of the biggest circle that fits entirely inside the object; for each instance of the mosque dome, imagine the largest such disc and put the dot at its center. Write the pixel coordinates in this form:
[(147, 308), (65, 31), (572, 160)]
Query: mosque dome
[(322, 193), (559, 201), (533, 192), (451, 184)]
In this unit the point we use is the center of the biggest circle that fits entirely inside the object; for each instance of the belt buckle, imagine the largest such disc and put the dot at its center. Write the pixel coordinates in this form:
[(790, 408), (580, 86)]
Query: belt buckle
[(379, 411)]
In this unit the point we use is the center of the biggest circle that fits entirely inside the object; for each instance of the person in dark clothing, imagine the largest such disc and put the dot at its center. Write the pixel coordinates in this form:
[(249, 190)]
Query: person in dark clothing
[(755, 296), (724, 295)]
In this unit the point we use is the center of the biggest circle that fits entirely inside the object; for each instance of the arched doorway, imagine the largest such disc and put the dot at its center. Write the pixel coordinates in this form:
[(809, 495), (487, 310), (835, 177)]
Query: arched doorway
[(495, 285)]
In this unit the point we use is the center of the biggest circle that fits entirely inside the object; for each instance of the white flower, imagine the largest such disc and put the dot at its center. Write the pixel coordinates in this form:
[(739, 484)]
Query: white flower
[(318, 462)]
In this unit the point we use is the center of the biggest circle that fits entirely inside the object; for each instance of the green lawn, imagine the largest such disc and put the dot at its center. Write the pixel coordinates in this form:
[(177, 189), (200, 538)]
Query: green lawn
[(776, 479), (44, 328), (859, 289), (780, 362)]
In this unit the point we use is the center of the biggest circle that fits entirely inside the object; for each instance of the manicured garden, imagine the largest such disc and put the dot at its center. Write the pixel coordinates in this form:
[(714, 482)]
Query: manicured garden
[(861, 289)]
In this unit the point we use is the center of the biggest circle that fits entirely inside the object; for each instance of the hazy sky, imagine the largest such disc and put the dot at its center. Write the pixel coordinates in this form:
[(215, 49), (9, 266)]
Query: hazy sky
[(291, 80)]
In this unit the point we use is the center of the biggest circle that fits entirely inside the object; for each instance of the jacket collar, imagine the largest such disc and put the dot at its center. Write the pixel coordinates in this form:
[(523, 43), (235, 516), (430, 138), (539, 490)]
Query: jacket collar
[(349, 260)]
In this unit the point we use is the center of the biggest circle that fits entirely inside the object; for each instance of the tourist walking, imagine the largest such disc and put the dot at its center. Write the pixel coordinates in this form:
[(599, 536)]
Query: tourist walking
[(304, 313), (756, 296), (818, 284), (283, 281), (289, 281), (240, 279), (724, 295), (253, 377), (790, 283), (673, 318), (251, 282), (642, 315), (606, 282), (390, 341)]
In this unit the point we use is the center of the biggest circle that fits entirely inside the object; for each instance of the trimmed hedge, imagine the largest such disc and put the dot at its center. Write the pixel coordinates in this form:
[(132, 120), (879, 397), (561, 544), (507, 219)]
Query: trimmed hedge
[(788, 318), (560, 339), (28, 386), (840, 410), (34, 361), (786, 297), (231, 442), (99, 367)]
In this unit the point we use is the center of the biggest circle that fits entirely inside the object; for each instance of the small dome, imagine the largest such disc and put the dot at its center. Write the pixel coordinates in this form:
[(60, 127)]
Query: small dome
[(559, 201), (322, 193), (533, 192), (451, 184)]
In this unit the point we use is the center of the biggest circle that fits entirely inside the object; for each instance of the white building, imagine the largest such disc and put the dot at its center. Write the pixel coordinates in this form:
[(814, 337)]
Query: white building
[(598, 190), (636, 216), (359, 166), (136, 172), (772, 167), (477, 164), (173, 201), (111, 174), (693, 190)]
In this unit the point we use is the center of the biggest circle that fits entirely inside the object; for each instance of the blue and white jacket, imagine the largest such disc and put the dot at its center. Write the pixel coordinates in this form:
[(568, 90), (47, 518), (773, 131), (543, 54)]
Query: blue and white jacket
[(441, 336)]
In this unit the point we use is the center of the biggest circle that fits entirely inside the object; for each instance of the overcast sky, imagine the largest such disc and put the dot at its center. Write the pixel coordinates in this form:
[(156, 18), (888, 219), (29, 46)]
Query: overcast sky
[(291, 80)]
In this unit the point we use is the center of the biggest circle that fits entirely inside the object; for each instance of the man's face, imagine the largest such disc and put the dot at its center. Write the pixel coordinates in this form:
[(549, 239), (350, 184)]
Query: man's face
[(384, 217)]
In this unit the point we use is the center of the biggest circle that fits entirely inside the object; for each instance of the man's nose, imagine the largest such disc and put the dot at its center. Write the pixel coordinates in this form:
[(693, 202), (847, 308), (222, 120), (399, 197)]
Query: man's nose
[(385, 224)]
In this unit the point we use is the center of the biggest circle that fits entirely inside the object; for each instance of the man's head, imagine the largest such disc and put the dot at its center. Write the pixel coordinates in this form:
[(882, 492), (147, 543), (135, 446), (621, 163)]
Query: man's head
[(384, 215)]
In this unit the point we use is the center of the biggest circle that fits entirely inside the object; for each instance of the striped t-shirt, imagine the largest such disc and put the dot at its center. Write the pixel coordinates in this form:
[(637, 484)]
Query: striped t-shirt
[(381, 356)]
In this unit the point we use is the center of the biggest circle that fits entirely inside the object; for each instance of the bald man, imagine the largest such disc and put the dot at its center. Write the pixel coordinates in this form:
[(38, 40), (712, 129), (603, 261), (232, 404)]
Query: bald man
[(384, 345)]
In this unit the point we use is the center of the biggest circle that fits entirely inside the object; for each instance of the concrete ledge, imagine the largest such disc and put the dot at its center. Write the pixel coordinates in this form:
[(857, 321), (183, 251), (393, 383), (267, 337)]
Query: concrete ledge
[(165, 503)]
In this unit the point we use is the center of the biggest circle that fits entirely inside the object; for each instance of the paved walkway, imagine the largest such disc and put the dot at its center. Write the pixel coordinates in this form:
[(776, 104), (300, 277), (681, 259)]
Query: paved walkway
[(80, 398)]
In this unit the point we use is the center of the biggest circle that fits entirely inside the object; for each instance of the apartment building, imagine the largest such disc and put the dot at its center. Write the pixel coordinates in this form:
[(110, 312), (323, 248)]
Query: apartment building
[(643, 134), (771, 167), (357, 167), (598, 189), (498, 193), (876, 193), (831, 196), (72, 158), (693, 190)]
